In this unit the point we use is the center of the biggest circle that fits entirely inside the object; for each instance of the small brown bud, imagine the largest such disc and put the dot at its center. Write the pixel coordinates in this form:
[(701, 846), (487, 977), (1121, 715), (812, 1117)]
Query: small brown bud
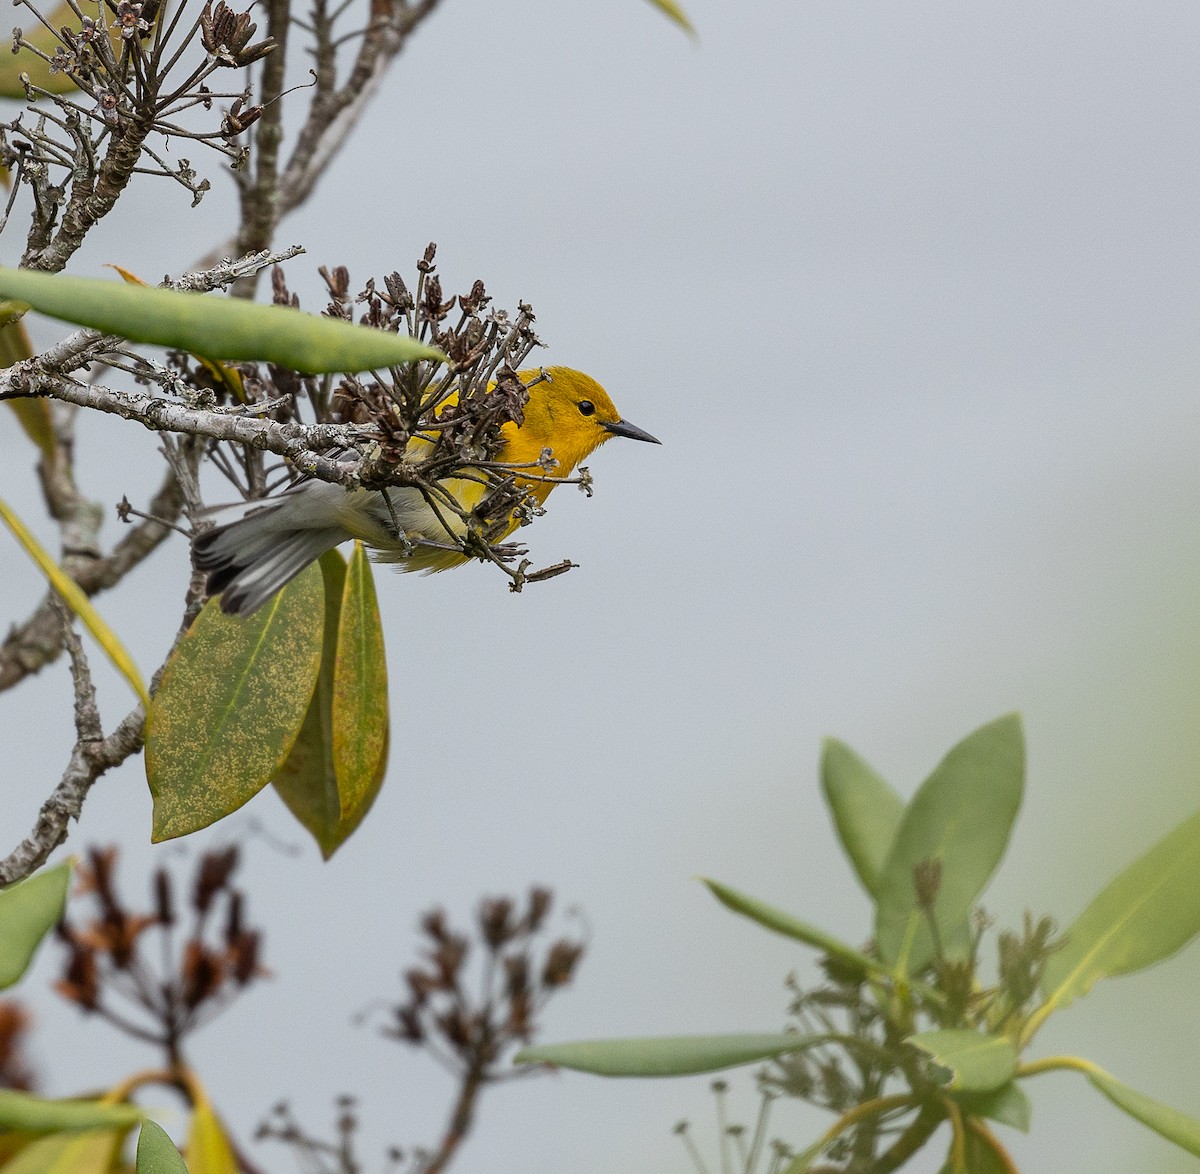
[(516, 975), (80, 983), (201, 974), (495, 921), (434, 924), (212, 875), (540, 900), (245, 950), (164, 902), (421, 985), (455, 1026), (448, 958), (233, 923), (408, 1026), (98, 875), (561, 962), (520, 1016)]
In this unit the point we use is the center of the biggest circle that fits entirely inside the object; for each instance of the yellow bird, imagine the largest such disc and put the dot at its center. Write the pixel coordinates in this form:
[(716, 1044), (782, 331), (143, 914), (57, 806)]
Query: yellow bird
[(269, 542)]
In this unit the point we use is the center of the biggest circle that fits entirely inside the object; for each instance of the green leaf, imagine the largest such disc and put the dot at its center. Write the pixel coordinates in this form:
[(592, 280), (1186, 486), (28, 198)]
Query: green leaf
[(866, 811), (78, 602), (1147, 913), (681, 1055), (29, 910), (673, 12), (217, 327), (1175, 1126), (22, 1110), (974, 1062), (88, 1152), (360, 701), (308, 781), (232, 699), (156, 1152), (791, 927), (1007, 1104), (960, 818)]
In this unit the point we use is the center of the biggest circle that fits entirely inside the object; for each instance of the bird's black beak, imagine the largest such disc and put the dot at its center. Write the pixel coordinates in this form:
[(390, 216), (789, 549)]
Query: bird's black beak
[(623, 428)]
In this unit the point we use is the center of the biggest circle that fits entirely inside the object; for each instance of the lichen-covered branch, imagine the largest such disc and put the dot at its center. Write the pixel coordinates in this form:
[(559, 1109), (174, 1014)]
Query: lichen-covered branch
[(92, 755)]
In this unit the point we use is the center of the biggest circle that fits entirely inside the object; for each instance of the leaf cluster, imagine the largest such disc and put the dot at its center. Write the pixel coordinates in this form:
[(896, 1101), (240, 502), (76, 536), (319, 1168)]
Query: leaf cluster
[(910, 1034)]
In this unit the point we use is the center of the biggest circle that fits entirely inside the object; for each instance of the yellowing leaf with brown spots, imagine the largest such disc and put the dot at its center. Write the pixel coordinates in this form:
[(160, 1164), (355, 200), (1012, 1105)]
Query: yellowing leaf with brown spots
[(360, 708), (308, 782), (231, 702)]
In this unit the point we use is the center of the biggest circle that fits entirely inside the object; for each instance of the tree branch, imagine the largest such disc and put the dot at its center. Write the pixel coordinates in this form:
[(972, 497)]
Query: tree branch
[(333, 115), (91, 756), (36, 642)]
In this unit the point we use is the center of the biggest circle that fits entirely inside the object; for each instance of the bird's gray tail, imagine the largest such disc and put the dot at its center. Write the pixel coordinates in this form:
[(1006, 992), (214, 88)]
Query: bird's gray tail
[(248, 560)]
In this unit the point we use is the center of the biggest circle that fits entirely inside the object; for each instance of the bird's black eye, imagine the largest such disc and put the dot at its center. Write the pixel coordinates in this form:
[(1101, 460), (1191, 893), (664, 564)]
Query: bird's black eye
[(586, 407)]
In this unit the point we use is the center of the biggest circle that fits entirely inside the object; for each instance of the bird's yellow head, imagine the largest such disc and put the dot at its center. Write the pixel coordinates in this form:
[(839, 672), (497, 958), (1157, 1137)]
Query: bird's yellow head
[(569, 413)]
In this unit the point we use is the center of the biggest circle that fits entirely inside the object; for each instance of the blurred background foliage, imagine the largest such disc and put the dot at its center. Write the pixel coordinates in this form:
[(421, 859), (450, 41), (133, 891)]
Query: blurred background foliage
[(910, 294)]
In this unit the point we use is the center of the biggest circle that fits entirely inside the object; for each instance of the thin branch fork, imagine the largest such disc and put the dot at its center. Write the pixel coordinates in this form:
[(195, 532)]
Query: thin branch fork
[(92, 755)]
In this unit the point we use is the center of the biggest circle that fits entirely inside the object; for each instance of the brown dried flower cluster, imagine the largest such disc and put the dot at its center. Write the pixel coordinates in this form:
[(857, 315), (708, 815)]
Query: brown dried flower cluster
[(468, 1017), (108, 969), (441, 1012)]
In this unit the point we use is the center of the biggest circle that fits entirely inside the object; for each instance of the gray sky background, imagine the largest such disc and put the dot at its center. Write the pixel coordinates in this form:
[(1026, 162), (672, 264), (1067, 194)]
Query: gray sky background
[(909, 292)]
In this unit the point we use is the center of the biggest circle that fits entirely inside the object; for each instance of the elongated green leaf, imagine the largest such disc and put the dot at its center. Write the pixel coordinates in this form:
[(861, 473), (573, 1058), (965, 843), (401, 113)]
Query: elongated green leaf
[(156, 1152), (208, 1148), (78, 602), (218, 327), (791, 927), (674, 12), (28, 911), (24, 1111), (88, 1152), (960, 818), (227, 380), (1007, 1104), (975, 1062), (231, 702), (866, 811), (1147, 913), (360, 702), (680, 1055), (1175, 1126)]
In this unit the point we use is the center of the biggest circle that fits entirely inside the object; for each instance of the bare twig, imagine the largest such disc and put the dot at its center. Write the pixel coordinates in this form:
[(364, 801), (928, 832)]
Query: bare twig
[(334, 112), (89, 760)]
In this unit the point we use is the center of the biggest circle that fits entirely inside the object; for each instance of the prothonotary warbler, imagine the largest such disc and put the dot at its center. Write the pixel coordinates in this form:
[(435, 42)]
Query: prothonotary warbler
[(269, 542)]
